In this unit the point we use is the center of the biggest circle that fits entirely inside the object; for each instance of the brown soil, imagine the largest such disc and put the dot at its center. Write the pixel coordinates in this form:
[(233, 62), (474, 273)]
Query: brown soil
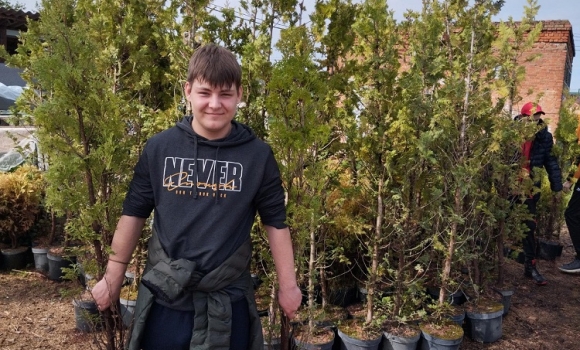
[(35, 312)]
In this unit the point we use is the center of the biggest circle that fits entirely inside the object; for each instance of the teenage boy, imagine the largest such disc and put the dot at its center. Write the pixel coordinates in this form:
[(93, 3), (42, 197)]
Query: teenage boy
[(204, 179)]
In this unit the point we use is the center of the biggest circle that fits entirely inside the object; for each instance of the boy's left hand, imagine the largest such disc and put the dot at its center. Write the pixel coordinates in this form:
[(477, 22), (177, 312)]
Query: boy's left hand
[(290, 300)]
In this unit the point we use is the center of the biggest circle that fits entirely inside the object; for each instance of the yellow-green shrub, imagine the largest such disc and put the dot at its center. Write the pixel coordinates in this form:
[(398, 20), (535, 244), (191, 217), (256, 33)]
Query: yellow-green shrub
[(20, 197)]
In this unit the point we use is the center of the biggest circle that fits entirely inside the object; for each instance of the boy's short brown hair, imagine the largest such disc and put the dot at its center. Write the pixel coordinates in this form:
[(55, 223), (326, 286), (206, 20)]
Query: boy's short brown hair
[(215, 65)]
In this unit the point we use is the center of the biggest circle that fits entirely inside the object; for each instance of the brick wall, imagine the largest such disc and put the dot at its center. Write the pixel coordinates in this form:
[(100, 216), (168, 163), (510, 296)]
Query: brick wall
[(546, 76)]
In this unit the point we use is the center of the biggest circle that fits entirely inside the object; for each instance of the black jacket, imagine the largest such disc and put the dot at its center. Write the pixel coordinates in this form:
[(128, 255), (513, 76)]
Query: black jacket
[(541, 156)]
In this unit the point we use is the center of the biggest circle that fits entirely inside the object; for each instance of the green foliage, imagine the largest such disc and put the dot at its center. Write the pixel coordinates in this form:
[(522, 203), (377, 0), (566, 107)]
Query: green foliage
[(16, 6), (21, 194), (97, 77), (513, 39), (400, 165), (300, 134), (550, 218)]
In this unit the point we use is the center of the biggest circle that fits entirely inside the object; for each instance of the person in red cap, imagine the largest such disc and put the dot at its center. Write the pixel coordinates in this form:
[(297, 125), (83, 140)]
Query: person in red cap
[(537, 153)]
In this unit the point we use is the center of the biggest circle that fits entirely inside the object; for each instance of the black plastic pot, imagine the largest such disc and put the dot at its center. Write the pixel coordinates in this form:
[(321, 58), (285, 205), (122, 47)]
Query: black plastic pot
[(549, 250), (343, 296), (506, 299), (433, 342), (14, 259), (395, 342), (256, 281), (87, 317), (349, 343), (301, 344), (56, 264), (484, 327), (457, 298), (458, 318)]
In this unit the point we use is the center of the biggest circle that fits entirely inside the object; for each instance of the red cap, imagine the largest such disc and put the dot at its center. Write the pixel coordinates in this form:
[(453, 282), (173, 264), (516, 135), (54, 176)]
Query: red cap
[(528, 107)]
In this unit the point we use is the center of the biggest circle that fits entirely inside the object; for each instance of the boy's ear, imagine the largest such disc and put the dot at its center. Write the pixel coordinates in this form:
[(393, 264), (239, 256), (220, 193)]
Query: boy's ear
[(187, 88), (240, 91)]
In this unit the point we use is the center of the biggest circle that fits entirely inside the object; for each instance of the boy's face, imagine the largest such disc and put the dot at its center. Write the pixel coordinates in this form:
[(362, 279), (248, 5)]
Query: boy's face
[(213, 108)]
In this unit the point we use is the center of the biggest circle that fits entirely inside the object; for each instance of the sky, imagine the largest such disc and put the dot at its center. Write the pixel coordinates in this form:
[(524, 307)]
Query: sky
[(549, 10)]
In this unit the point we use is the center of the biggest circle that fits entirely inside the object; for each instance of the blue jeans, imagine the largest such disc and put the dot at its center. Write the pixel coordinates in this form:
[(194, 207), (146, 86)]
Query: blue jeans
[(169, 329)]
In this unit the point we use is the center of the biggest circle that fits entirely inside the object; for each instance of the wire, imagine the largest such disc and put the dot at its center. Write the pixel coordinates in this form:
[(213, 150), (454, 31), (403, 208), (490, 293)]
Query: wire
[(258, 20)]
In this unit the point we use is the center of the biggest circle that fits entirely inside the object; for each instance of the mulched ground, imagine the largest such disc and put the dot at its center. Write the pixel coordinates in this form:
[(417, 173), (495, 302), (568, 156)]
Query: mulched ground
[(36, 313)]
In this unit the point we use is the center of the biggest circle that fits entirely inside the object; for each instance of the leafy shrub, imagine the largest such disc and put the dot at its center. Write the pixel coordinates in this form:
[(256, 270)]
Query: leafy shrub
[(20, 199)]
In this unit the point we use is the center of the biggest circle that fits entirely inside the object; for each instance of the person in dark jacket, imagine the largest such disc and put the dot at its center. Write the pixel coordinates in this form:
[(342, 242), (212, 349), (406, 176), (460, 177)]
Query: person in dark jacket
[(536, 154), (204, 179), (572, 216)]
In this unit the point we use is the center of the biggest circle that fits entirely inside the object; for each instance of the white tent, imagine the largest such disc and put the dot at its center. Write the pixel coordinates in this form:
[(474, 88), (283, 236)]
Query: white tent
[(8, 94)]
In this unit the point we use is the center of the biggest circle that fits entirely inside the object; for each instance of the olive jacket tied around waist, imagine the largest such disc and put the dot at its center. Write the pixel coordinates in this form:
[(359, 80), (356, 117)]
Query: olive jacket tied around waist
[(168, 279)]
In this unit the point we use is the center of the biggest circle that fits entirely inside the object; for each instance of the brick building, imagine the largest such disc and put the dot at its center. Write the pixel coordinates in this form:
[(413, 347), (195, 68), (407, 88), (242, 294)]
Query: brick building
[(549, 75)]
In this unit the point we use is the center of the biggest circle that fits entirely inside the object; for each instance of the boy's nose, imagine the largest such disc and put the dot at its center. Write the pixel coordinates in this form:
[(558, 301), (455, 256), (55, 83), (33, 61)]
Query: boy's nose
[(214, 101)]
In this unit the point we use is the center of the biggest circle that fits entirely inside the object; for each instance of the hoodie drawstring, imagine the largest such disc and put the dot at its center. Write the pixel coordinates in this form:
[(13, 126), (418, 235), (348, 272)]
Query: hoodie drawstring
[(217, 184), (195, 172)]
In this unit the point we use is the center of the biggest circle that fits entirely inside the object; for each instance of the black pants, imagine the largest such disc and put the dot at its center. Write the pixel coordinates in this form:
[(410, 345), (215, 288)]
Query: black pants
[(168, 329), (529, 241), (572, 215)]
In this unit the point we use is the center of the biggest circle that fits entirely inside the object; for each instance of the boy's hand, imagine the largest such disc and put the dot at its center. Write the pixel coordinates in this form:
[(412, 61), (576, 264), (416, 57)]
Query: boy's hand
[(290, 300), (567, 185), (108, 288)]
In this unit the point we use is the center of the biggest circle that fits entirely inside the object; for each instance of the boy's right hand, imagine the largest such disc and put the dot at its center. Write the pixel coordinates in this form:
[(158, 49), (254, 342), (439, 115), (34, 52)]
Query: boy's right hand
[(567, 185), (108, 288)]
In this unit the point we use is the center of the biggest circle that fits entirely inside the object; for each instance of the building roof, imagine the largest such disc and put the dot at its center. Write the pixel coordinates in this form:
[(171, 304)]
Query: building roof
[(13, 19), (11, 76)]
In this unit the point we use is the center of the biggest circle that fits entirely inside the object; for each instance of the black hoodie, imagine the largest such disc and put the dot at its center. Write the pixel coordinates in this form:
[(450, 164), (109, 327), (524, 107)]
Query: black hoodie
[(235, 176)]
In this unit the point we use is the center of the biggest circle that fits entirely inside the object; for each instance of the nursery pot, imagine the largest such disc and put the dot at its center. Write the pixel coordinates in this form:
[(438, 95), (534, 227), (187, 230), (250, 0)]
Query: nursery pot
[(362, 294), (484, 327), (304, 344), (431, 342), (457, 298), (40, 259), (549, 250), (127, 311), (56, 264), (344, 296), (348, 343), (506, 299), (129, 278), (256, 281), (458, 317), (87, 316), (396, 342), (14, 259), (274, 344), (451, 341)]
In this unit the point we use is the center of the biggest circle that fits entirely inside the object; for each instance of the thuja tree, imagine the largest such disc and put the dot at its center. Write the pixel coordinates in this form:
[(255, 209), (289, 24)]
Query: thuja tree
[(17, 6), (96, 73), (92, 86), (413, 192), (513, 39), (461, 108), (299, 133), (331, 30), (261, 18), (551, 208), (375, 90)]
